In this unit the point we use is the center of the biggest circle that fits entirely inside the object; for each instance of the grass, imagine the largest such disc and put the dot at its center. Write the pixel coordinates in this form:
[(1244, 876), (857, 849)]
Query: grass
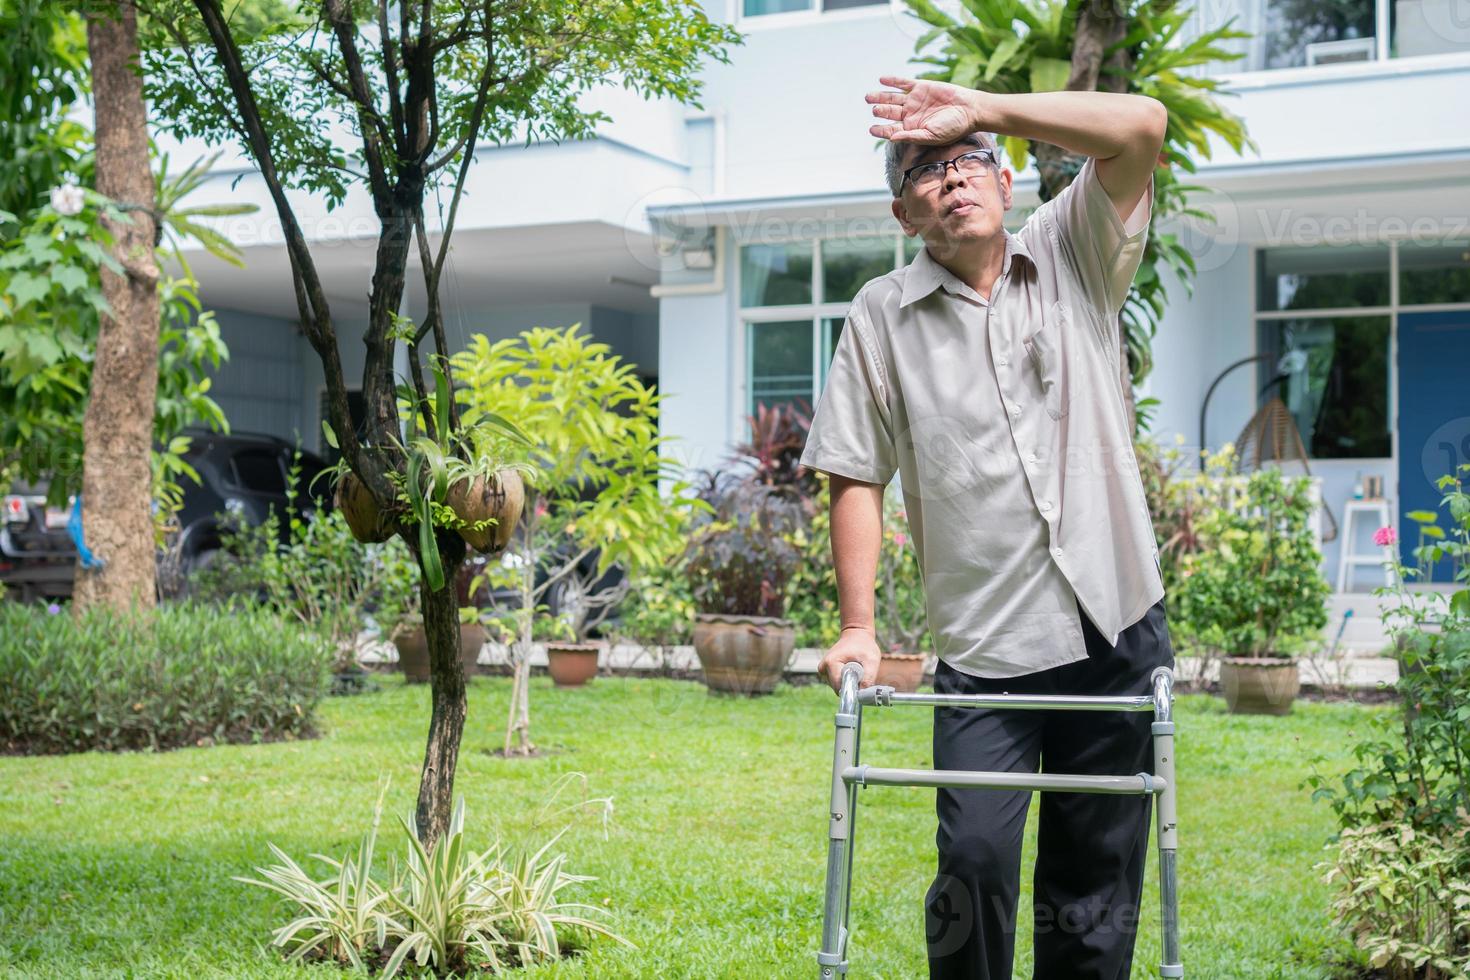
[(120, 865)]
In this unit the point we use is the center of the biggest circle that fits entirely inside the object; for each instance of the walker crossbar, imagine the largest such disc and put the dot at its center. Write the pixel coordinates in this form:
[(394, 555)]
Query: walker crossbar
[(885, 695), (848, 775), (1143, 783)]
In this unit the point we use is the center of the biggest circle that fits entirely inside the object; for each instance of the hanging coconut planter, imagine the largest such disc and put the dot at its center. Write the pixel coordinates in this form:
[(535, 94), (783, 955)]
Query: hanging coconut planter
[(498, 496), (367, 523)]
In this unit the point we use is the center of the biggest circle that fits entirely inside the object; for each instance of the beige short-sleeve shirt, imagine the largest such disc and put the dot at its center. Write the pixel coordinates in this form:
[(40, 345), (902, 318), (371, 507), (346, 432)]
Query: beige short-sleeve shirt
[(1007, 424)]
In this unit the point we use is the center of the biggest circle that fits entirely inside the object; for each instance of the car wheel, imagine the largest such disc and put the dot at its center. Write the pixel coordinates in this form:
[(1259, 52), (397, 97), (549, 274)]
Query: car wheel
[(196, 564), (567, 596)]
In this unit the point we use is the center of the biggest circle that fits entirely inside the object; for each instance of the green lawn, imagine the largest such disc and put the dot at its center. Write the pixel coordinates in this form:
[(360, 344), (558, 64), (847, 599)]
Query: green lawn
[(120, 865)]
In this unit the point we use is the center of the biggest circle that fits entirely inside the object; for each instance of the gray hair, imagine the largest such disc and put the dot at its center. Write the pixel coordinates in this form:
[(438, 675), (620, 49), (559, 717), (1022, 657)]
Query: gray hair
[(896, 152)]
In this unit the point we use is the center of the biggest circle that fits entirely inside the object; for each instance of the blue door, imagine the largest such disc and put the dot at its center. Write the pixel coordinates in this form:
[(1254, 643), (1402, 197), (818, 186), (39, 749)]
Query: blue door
[(1434, 416)]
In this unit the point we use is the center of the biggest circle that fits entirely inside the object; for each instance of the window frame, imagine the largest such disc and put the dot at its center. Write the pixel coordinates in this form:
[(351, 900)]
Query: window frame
[(1264, 372), (815, 14), (817, 312)]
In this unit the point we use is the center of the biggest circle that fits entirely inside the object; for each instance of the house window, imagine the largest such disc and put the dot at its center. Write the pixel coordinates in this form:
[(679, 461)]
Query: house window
[(1434, 272), (794, 298), (1324, 320), (1337, 388), (1323, 277), (1304, 33), (760, 8)]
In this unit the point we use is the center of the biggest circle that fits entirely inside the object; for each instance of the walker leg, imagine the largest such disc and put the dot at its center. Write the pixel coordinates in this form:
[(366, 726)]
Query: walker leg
[(832, 959), (1168, 834)]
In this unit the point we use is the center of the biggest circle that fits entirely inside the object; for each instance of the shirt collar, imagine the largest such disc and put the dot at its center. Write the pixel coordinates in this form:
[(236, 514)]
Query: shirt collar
[(926, 275)]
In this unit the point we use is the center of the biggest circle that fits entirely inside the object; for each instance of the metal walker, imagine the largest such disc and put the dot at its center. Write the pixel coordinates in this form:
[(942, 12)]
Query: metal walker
[(848, 775)]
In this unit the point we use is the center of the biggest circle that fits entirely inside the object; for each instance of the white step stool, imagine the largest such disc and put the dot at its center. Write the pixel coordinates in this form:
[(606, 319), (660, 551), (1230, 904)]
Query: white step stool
[(1347, 559)]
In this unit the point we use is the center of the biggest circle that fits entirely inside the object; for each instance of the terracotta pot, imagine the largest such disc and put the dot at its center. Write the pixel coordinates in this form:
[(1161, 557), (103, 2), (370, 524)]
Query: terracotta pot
[(1259, 685), (500, 496), (573, 664), (743, 654), (413, 653), (901, 671), (471, 639), (413, 650)]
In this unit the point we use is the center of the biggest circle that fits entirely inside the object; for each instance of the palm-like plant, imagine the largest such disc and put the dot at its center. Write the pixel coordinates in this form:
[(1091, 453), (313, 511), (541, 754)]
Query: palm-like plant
[(1018, 46)]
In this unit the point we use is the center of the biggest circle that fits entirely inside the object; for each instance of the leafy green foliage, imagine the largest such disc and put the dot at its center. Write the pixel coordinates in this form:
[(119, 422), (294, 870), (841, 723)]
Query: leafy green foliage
[(547, 54), (742, 558), (1254, 586), (1402, 895), (1018, 46), (316, 574), (1403, 863), (446, 908), (659, 610), (43, 77), (596, 446), (50, 263), (183, 675), (50, 299)]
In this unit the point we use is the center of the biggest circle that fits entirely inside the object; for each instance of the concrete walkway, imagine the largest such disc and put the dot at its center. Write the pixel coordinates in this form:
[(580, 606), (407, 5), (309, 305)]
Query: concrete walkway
[(1349, 671)]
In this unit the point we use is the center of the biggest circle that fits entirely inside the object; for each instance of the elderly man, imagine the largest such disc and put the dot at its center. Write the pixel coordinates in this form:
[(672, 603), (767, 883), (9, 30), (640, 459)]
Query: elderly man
[(986, 373)]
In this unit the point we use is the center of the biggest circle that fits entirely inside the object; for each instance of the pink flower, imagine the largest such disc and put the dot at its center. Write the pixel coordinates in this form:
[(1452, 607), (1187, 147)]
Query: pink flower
[(1385, 536), (900, 539)]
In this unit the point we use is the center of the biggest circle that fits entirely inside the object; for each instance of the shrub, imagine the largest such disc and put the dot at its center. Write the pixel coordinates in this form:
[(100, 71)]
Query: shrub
[(1254, 587), (1402, 898), (741, 559), (448, 909), (812, 603), (1403, 864), (180, 675), (315, 572)]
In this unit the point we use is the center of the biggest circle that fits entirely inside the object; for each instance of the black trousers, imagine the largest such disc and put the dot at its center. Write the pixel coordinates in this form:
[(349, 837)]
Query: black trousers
[(1088, 878)]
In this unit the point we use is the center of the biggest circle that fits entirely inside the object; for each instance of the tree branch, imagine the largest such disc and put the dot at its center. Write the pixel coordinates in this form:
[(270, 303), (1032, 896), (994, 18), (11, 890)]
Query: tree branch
[(311, 300)]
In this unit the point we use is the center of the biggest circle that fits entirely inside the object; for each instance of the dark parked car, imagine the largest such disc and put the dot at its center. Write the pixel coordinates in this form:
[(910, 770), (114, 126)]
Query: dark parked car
[(36, 553), (242, 477)]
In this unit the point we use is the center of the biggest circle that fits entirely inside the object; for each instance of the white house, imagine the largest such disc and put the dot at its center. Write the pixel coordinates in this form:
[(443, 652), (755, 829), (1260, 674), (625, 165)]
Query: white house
[(718, 249)]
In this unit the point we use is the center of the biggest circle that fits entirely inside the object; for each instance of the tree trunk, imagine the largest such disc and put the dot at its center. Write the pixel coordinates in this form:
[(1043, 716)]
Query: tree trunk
[(117, 429), (446, 724)]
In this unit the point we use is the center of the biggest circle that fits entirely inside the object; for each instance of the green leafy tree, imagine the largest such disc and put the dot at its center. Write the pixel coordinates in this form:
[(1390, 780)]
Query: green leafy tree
[(55, 238), (417, 87), (596, 448), (1016, 46)]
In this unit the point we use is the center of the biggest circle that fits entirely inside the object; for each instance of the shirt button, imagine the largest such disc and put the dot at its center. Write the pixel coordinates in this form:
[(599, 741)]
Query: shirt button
[(1001, 362), (1046, 505), (1015, 410), (1056, 552), (1031, 458)]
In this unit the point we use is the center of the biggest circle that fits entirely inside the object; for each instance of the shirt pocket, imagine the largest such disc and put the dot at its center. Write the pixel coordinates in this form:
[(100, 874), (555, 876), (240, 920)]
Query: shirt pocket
[(1044, 351)]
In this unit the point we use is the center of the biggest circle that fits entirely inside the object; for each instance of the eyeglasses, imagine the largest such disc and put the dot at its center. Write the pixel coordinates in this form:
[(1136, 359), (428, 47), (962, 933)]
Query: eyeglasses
[(926, 176)]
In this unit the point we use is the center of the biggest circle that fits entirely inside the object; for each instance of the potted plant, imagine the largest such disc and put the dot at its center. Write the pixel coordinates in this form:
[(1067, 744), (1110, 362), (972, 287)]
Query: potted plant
[(395, 610), (1254, 591), (903, 620), (740, 562), (569, 662)]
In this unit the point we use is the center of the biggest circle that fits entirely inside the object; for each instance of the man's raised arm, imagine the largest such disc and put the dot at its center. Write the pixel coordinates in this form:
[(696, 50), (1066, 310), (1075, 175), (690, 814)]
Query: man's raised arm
[(1123, 133)]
